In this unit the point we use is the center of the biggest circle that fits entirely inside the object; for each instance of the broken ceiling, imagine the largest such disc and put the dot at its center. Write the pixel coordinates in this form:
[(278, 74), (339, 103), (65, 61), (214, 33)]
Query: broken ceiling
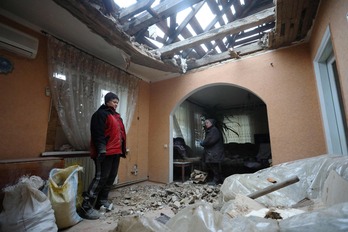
[(237, 28)]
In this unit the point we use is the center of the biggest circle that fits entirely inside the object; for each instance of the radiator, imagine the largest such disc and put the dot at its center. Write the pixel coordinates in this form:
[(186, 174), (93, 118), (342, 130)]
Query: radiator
[(86, 176)]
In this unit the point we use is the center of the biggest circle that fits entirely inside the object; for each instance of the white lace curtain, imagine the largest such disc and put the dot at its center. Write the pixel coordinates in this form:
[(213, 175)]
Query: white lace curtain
[(244, 124), (188, 125), (78, 83)]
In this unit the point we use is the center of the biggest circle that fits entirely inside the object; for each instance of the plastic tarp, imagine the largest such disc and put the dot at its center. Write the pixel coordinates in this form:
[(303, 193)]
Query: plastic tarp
[(141, 224), (201, 217), (312, 172)]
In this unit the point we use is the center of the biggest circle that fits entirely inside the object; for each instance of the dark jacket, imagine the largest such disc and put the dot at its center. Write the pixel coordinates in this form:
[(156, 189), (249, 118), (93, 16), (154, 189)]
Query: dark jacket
[(108, 134), (213, 146)]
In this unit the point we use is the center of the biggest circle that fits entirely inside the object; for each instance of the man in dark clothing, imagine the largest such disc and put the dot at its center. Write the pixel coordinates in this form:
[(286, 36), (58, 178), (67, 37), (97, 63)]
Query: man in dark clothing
[(108, 144), (213, 150)]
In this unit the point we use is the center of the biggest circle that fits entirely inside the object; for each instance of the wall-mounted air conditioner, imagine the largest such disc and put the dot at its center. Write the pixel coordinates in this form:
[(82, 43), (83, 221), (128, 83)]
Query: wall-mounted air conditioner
[(18, 42)]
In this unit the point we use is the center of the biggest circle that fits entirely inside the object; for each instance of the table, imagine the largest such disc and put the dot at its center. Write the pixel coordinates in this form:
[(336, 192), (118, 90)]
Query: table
[(183, 165)]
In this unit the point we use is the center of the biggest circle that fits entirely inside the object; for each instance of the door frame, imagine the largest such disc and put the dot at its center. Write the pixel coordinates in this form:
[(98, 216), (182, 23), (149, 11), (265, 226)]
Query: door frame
[(334, 126)]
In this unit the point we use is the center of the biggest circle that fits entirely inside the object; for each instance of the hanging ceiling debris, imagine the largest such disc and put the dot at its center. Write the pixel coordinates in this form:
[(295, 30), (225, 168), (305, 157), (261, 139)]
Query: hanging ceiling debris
[(171, 35)]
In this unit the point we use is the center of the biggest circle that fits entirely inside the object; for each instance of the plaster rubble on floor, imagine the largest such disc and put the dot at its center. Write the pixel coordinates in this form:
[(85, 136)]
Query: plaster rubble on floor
[(140, 199), (234, 212)]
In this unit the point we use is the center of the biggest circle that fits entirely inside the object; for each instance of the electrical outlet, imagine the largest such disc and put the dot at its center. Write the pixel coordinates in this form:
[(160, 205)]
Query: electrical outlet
[(47, 91), (135, 170)]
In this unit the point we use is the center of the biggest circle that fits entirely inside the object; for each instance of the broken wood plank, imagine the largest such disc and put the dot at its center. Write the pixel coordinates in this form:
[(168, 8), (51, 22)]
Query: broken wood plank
[(210, 59), (311, 11), (237, 26), (257, 30), (293, 21), (274, 187)]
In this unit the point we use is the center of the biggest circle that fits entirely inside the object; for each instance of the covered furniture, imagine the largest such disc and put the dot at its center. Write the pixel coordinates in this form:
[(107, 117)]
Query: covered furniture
[(184, 157), (246, 157), (183, 165)]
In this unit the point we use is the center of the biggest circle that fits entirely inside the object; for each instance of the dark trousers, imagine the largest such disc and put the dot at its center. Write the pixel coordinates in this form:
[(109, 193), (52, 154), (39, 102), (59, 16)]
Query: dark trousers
[(216, 169), (105, 175)]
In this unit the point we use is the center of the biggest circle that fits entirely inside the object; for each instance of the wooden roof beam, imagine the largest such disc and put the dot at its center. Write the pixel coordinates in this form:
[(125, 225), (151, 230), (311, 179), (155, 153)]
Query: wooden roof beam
[(164, 10), (184, 23), (134, 9), (244, 50), (258, 30), (218, 18), (237, 26)]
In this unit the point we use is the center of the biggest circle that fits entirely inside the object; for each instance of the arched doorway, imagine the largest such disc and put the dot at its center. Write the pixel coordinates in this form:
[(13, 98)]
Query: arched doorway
[(245, 116)]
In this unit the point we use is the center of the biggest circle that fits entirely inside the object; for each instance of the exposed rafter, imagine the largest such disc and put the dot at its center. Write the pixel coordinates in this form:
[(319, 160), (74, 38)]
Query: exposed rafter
[(163, 10), (237, 26), (188, 18), (139, 7), (232, 53)]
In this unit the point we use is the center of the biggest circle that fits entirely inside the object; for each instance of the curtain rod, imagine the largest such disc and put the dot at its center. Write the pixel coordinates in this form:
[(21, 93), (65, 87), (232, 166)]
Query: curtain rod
[(46, 34)]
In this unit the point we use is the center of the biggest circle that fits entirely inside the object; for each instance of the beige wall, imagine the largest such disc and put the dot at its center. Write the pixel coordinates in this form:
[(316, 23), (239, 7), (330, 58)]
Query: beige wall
[(137, 139), (288, 88), (333, 14), (23, 104)]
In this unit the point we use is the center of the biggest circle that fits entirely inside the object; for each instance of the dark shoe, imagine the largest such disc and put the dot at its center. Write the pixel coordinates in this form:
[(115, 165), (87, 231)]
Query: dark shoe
[(212, 183), (104, 203), (89, 214)]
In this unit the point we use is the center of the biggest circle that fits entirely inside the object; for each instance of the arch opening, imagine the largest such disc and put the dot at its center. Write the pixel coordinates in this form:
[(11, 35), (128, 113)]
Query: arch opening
[(246, 133)]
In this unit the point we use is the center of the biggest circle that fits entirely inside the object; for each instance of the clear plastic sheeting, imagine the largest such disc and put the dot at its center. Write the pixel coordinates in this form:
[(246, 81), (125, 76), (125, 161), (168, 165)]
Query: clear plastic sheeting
[(202, 217), (237, 212), (312, 173), (139, 224), (334, 218), (198, 217), (252, 224)]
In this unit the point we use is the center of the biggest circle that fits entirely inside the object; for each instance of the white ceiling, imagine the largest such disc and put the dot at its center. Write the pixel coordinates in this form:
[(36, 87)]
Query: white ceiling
[(46, 15)]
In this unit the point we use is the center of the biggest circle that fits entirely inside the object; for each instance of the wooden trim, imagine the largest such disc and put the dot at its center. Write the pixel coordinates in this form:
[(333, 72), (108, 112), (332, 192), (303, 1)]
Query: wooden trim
[(9, 161), (65, 153)]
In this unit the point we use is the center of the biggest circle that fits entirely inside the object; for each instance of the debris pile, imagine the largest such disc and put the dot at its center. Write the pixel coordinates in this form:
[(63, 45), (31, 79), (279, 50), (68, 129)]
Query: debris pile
[(198, 176), (140, 199)]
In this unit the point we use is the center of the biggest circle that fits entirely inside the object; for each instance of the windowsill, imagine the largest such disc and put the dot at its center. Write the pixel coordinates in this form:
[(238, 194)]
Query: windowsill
[(29, 160), (65, 153)]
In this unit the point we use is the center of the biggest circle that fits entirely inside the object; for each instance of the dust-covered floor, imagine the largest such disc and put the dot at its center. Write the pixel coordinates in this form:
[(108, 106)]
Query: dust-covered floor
[(152, 200)]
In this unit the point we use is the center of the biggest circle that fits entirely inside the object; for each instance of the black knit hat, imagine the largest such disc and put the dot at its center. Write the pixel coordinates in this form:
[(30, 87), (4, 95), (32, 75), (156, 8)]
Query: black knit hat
[(211, 120), (109, 97)]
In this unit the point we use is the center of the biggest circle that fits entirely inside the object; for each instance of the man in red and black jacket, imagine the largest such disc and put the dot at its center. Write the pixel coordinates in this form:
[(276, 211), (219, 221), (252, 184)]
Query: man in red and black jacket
[(108, 144)]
